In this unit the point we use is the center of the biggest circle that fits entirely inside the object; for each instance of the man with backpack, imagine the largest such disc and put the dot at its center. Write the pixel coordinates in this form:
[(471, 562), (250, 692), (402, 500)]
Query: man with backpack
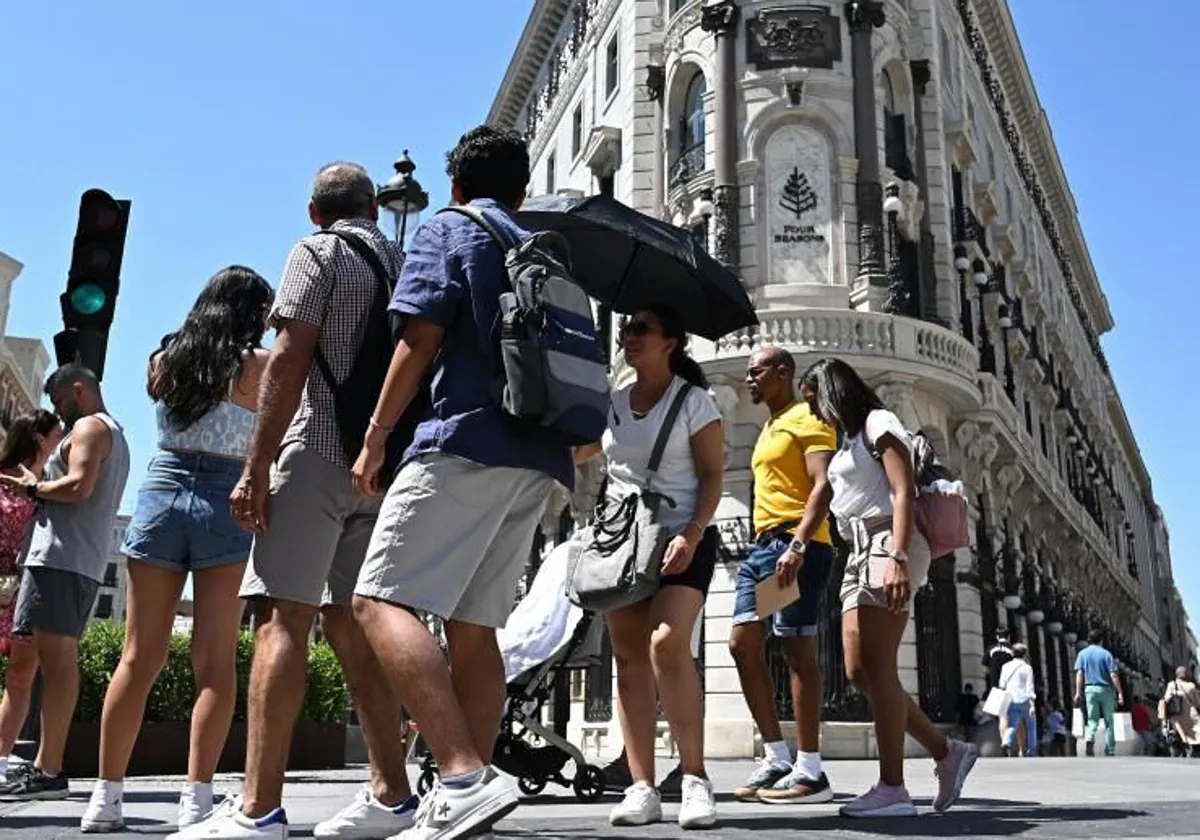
[(457, 525), (311, 528)]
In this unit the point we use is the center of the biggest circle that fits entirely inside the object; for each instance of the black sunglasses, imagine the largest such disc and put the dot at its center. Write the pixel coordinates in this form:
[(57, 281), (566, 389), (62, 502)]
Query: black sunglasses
[(636, 328)]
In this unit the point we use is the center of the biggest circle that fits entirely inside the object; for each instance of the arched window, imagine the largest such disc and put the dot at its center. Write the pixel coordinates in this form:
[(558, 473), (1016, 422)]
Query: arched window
[(895, 132), (692, 134)]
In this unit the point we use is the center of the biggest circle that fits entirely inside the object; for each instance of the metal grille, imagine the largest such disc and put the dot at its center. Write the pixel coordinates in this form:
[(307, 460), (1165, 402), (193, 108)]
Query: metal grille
[(1053, 686), (598, 687), (939, 670), (1035, 659), (689, 164)]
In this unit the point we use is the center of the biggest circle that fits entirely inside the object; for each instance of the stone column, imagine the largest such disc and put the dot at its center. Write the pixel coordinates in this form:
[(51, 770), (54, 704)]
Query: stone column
[(721, 19), (926, 271), (863, 16), (655, 84)]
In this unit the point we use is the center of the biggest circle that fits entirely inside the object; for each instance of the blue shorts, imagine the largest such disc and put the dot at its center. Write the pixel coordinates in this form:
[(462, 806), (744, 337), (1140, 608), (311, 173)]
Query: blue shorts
[(182, 521), (801, 618)]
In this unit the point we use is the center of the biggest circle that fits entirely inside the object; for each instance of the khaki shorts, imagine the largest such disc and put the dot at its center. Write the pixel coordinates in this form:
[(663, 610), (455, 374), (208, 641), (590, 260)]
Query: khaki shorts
[(453, 538), (317, 533), (862, 582)]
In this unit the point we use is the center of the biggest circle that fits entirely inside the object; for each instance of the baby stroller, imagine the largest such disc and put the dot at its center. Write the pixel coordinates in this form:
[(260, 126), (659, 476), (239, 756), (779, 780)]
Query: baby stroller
[(545, 627)]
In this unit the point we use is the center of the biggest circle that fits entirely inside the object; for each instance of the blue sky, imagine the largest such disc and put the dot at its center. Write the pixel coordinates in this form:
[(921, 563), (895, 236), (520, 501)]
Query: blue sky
[(212, 118)]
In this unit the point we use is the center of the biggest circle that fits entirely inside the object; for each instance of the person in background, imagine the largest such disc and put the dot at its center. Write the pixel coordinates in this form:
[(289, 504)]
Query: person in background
[(1099, 686), (874, 495), (1186, 719), (65, 561), (965, 710), (1016, 678), (792, 543), (30, 441), (1057, 723), (1139, 712), (203, 380), (997, 657)]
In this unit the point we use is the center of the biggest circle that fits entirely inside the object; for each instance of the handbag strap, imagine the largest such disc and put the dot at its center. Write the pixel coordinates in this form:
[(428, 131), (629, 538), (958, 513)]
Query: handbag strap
[(664, 432)]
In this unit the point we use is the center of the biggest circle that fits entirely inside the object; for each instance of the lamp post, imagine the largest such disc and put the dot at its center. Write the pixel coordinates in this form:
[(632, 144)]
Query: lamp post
[(987, 352), (1009, 319), (966, 322), (402, 196), (702, 215), (897, 298)]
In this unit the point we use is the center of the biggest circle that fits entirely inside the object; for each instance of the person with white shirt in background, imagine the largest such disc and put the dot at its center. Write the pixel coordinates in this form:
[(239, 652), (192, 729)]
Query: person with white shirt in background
[(1016, 678)]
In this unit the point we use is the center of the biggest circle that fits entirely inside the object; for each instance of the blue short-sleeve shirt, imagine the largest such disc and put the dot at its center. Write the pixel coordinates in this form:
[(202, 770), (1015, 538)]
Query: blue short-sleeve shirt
[(453, 277), (1097, 665)]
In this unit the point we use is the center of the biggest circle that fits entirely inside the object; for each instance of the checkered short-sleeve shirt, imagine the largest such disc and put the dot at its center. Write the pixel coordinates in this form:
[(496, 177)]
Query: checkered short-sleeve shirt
[(326, 284)]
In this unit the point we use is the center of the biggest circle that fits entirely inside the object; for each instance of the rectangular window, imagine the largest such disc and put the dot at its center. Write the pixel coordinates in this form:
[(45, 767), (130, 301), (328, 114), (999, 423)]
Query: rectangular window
[(577, 131), (550, 174), (612, 67), (104, 606), (110, 575)]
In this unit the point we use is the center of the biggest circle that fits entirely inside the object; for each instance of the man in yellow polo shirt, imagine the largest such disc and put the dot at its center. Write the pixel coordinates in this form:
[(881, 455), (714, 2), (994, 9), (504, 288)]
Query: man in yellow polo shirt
[(791, 509)]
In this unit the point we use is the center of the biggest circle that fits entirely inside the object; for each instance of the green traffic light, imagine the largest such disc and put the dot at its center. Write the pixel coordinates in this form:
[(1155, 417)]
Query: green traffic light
[(88, 299)]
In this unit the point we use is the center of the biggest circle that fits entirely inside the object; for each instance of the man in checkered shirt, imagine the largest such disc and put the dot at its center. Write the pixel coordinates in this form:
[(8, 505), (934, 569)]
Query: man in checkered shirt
[(311, 528)]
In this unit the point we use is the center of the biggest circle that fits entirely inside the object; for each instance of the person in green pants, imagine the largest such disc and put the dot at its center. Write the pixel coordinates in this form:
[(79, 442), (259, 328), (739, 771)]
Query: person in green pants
[(1097, 684)]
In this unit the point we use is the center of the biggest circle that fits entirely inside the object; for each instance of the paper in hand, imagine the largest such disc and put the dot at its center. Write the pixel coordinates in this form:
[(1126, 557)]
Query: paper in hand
[(770, 597)]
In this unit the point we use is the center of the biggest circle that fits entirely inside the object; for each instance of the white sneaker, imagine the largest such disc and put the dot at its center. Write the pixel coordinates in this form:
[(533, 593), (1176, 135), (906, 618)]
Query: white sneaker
[(366, 818), (103, 812), (699, 807), (450, 813), (226, 822), (195, 803), (642, 805)]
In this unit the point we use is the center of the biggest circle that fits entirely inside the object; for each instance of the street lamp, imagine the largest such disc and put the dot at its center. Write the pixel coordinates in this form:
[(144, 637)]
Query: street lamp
[(962, 265), (987, 352), (897, 299), (702, 214), (402, 196)]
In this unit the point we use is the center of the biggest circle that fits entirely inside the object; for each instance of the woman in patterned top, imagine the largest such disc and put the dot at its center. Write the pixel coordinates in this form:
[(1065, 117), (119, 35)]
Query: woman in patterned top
[(204, 382), (30, 441)]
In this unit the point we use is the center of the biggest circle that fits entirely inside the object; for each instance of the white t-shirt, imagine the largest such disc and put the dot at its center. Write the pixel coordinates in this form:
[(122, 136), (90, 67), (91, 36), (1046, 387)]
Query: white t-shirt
[(860, 485), (1016, 677), (628, 442)]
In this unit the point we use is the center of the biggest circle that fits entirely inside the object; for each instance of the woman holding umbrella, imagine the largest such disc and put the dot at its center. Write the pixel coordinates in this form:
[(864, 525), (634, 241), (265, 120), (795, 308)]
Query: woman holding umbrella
[(652, 640)]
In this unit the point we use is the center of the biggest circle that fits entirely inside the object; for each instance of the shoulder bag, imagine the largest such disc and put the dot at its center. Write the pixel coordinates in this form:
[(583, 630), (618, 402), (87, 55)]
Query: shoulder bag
[(620, 560)]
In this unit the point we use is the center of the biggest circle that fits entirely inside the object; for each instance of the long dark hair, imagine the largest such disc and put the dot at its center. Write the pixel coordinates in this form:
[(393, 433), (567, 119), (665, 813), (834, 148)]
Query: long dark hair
[(21, 443), (681, 362), (843, 399), (198, 364)]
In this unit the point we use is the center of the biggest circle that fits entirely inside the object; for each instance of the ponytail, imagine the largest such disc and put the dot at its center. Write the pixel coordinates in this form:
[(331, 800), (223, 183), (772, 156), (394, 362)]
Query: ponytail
[(688, 369)]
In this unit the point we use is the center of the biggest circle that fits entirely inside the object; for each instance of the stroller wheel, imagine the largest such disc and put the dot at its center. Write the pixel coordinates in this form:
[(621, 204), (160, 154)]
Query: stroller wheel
[(531, 786), (425, 781), (588, 783)]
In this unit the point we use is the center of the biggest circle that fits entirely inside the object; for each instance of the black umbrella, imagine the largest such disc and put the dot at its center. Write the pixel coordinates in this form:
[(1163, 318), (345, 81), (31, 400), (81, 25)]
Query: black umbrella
[(628, 261)]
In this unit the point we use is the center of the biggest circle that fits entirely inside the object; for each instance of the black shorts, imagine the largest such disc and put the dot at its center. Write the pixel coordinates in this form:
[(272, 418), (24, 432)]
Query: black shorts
[(53, 601), (704, 562)]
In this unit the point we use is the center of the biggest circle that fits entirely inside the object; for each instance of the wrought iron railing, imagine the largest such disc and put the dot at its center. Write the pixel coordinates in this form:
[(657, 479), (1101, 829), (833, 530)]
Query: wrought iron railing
[(939, 670), (690, 163), (967, 228)]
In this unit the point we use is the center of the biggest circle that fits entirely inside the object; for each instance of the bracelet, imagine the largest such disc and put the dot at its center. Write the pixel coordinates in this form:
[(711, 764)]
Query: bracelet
[(375, 424)]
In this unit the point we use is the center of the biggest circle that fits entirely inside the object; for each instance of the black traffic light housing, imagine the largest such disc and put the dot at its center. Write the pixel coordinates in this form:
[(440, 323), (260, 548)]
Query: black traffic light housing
[(94, 279)]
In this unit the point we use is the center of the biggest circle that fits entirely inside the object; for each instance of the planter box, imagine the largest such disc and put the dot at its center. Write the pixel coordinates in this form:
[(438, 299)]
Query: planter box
[(162, 749)]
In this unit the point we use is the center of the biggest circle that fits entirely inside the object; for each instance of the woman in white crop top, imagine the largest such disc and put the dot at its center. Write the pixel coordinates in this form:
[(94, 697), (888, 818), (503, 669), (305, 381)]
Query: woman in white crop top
[(204, 382), (874, 497)]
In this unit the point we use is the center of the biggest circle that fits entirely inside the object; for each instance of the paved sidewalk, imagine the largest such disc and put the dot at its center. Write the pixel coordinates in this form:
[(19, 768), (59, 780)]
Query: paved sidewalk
[(1042, 798)]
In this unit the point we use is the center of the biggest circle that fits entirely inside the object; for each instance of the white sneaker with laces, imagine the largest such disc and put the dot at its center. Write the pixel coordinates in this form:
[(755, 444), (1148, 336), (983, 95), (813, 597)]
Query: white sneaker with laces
[(227, 822), (366, 818), (451, 813), (699, 806), (103, 812), (195, 803), (642, 805)]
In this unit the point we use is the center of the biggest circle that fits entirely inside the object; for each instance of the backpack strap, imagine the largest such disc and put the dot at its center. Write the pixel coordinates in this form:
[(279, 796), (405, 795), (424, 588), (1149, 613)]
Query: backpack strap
[(477, 216)]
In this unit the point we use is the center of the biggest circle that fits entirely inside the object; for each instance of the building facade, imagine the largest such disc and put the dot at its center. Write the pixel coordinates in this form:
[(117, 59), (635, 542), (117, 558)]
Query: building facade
[(23, 361), (882, 177), (114, 589)]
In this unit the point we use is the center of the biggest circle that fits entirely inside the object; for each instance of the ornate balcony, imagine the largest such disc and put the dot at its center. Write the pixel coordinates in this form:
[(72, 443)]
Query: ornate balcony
[(690, 163)]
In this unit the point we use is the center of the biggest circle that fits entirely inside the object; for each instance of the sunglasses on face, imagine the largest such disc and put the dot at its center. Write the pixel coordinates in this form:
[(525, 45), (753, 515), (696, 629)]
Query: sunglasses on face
[(636, 329)]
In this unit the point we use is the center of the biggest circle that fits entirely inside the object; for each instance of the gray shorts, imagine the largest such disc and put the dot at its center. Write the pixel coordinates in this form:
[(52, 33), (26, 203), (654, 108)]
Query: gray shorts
[(862, 582), (53, 601), (453, 538), (317, 533)]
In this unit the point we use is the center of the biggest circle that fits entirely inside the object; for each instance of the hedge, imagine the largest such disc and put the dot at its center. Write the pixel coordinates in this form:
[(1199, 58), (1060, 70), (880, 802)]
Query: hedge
[(325, 701)]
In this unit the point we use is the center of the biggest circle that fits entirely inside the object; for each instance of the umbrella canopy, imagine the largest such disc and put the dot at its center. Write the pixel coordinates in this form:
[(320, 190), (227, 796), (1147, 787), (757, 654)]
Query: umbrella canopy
[(628, 261)]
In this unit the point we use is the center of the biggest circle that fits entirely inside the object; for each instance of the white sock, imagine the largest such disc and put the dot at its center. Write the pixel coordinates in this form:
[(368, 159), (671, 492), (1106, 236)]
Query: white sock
[(200, 790), (778, 752), (113, 791), (809, 763)]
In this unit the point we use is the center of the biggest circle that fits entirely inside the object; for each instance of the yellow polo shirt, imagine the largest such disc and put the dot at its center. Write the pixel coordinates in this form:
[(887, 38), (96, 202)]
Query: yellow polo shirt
[(781, 482)]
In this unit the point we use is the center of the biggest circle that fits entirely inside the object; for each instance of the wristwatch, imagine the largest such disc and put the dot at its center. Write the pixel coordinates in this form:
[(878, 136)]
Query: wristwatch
[(899, 555), (797, 547)]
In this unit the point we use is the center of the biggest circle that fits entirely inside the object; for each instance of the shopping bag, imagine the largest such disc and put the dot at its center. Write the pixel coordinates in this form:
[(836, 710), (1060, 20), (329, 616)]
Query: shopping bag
[(1123, 727), (1077, 723), (997, 703)]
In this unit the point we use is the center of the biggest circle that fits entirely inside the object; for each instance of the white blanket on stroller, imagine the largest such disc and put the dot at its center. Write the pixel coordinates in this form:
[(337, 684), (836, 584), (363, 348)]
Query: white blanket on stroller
[(544, 619)]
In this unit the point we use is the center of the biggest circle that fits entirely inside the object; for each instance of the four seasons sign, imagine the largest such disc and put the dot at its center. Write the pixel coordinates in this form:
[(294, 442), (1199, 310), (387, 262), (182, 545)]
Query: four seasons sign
[(798, 206)]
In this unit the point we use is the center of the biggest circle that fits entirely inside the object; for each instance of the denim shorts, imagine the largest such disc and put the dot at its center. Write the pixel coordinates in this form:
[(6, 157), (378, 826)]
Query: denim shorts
[(182, 521), (800, 618)]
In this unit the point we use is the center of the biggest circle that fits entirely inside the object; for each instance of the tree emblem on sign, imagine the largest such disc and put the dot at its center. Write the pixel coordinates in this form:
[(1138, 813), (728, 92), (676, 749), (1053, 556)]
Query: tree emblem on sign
[(798, 197)]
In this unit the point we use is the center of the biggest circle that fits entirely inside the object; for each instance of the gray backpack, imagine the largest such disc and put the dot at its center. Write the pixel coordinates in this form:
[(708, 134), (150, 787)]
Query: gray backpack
[(552, 373)]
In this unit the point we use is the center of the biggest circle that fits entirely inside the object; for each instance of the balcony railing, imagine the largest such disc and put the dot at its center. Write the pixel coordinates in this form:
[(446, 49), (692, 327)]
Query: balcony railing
[(967, 228), (690, 164)]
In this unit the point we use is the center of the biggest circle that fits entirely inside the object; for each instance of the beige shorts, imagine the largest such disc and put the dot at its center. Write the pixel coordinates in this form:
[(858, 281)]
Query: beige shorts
[(453, 538), (862, 582), (317, 533)]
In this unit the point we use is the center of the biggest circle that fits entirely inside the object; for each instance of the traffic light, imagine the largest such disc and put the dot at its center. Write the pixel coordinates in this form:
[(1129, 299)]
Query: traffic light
[(93, 280)]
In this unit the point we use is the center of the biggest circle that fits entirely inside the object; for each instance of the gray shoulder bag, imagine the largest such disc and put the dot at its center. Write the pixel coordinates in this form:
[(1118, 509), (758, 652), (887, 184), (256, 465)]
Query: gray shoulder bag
[(619, 561)]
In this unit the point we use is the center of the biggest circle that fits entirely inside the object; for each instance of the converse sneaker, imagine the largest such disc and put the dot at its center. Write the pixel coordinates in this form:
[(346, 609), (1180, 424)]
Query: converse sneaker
[(227, 822), (31, 784), (195, 803), (952, 772), (103, 813), (797, 789), (366, 818), (880, 801), (450, 813), (641, 806), (766, 774), (699, 807)]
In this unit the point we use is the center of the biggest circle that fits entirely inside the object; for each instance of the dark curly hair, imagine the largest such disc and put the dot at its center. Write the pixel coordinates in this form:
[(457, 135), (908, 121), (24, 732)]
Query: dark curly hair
[(198, 364), (20, 444), (490, 162)]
